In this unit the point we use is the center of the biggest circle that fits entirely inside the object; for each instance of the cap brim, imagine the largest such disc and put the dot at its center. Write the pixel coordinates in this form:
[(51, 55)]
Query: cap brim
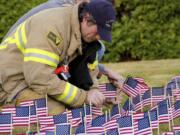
[(105, 34)]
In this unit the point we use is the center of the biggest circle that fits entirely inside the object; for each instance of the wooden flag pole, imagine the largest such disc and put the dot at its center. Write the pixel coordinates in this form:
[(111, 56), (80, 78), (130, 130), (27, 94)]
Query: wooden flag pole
[(151, 96), (158, 120), (149, 117), (84, 118), (29, 125)]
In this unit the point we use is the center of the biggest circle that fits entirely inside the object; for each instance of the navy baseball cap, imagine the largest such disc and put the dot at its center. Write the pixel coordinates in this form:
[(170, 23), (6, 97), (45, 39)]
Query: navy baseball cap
[(104, 14)]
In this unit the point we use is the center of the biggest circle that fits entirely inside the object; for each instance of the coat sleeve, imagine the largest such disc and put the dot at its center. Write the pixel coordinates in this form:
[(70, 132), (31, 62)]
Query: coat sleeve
[(41, 56)]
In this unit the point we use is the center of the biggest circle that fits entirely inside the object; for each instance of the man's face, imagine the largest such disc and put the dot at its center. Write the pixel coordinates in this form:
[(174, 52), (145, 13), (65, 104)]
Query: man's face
[(89, 30)]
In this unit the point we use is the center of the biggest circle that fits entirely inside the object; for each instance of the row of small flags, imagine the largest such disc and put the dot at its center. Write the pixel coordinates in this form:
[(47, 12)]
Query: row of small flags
[(113, 122), (36, 112)]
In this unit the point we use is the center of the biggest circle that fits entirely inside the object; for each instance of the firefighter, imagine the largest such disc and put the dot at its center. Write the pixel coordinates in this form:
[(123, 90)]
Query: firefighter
[(113, 77), (31, 53)]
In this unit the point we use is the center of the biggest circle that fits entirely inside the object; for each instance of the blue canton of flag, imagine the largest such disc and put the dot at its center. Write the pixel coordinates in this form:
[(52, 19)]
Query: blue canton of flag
[(97, 125), (157, 94), (33, 116), (50, 133), (163, 113), (41, 107), (176, 111), (64, 129), (144, 127), (60, 118), (125, 125), (22, 117), (112, 132), (137, 102), (87, 114), (130, 87), (128, 106), (5, 123), (115, 112), (80, 129)]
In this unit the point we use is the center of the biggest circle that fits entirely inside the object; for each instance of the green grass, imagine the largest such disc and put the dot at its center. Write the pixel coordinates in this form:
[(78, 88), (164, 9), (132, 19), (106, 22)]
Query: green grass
[(155, 73)]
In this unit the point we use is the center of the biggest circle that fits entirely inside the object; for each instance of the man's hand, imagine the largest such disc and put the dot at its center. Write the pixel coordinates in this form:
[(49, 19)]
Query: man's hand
[(95, 97), (115, 100)]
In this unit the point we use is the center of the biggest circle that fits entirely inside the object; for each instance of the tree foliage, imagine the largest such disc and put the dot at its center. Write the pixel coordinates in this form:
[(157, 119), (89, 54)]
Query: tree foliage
[(145, 29)]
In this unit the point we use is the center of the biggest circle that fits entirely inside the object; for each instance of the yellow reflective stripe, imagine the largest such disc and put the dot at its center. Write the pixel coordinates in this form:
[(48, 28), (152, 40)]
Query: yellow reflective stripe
[(68, 95), (73, 95), (41, 56), (23, 30), (20, 36), (7, 41)]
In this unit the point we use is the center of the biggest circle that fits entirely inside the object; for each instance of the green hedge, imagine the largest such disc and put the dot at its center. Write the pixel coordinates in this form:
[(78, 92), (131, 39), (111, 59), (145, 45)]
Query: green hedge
[(146, 29)]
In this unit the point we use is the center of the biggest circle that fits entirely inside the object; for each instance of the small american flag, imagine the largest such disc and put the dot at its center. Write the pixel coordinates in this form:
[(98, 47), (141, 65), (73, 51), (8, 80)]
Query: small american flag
[(125, 125), (153, 118), (146, 98), (163, 113), (176, 109), (144, 127), (6, 123), (75, 116), (108, 90), (132, 87), (22, 117), (60, 118), (41, 107), (115, 112), (137, 102), (142, 82), (157, 94), (97, 125), (87, 114), (63, 129), (110, 124)]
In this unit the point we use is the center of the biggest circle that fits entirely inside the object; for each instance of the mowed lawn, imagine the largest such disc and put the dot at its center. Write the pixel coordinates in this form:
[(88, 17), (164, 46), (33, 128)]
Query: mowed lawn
[(155, 73)]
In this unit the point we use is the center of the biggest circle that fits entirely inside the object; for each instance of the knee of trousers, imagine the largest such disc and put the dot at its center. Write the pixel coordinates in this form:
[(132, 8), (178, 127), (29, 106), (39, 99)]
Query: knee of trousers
[(54, 107)]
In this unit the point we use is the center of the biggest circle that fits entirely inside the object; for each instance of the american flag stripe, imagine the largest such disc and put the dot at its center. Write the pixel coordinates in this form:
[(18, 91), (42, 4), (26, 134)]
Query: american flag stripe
[(112, 124), (176, 127), (47, 128), (130, 91), (46, 120), (95, 130), (126, 131), (27, 103), (168, 133), (146, 131)]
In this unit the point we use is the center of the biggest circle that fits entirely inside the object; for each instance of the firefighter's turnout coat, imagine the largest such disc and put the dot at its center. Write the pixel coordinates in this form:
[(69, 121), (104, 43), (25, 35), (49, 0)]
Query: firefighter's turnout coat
[(29, 56)]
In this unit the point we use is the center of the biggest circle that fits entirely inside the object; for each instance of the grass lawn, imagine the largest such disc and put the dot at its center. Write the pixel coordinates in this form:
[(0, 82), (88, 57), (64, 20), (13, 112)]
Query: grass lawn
[(155, 73)]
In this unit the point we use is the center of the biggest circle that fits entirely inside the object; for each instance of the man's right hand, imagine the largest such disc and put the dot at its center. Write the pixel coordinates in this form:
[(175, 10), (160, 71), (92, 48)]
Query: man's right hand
[(95, 97)]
